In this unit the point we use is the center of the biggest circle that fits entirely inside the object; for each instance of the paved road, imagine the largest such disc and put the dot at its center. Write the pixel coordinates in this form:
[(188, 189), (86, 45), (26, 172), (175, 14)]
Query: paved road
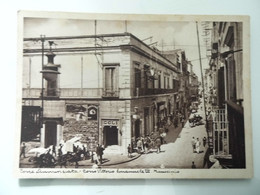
[(177, 154)]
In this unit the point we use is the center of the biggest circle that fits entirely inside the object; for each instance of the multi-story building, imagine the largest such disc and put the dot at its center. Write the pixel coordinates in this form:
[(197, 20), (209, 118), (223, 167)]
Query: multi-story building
[(108, 89), (178, 57), (226, 93), (193, 85)]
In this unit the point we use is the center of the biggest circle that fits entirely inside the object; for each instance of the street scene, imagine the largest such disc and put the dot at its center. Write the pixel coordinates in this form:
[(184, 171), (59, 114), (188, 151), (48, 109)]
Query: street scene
[(132, 94), (177, 151)]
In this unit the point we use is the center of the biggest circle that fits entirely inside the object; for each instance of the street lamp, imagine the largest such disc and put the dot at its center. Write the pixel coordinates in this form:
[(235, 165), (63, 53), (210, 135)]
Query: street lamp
[(42, 40)]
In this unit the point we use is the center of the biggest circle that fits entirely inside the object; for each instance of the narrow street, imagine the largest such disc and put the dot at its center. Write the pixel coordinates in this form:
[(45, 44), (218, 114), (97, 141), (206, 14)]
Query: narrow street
[(177, 153)]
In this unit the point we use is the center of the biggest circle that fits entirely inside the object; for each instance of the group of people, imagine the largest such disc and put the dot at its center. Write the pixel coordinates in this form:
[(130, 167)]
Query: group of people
[(144, 144), (177, 118), (196, 148), (196, 144)]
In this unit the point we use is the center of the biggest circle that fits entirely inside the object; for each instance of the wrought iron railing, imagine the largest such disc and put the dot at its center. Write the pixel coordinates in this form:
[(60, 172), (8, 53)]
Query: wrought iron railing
[(153, 91)]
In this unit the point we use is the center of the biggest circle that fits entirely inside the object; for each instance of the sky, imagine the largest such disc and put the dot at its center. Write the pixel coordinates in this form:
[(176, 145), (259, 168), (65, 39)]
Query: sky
[(168, 35)]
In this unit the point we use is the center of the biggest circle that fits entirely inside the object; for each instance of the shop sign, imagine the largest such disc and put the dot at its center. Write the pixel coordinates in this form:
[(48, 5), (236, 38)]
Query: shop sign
[(92, 113), (109, 122)]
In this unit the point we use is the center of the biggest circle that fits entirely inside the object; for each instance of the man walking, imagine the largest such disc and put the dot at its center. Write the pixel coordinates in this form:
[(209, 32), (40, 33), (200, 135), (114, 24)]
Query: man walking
[(53, 150), (139, 145), (129, 150), (198, 146), (193, 143), (182, 121), (193, 166), (101, 152), (204, 141), (98, 151), (23, 150)]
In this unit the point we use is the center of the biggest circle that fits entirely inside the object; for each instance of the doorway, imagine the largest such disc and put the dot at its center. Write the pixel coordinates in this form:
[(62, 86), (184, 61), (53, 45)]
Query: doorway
[(50, 133), (137, 128), (110, 135)]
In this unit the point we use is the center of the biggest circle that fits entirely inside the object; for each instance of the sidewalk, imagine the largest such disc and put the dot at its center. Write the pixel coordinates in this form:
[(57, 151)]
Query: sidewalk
[(111, 159)]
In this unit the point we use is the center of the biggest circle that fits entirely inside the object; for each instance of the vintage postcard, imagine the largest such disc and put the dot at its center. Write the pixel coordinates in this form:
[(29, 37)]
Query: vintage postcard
[(133, 96)]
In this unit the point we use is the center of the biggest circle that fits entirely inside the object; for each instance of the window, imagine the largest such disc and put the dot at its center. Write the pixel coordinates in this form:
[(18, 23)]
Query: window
[(137, 82), (159, 81), (110, 81), (110, 78), (165, 85), (175, 85)]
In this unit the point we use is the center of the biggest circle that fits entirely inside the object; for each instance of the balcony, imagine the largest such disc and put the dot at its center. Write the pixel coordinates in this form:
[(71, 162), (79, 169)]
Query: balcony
[(51, 93), (155, 91), (35, 93), (110, 94)]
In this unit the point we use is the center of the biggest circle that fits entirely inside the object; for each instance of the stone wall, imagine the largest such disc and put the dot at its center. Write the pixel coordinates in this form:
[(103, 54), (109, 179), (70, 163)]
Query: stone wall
[(87, 130)]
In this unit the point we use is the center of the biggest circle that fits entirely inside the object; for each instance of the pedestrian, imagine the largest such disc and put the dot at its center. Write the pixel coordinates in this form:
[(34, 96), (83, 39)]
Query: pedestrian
[(129, 150), (182, 121), (50, 160), (193, 166), (85, 152), (101, 152), (60, 150), (74, 148), (53, 150), (139, 145), (204, 141), (145, 146), (62, 159), (95, 158), (176, 121), (158, 143), (197, 146), (77, 149), (193, 144), (98, 151), (23, 150)]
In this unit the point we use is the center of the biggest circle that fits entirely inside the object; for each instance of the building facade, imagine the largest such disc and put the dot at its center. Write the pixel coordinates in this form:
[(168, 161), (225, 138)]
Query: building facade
[(225, 93), (107, 89)]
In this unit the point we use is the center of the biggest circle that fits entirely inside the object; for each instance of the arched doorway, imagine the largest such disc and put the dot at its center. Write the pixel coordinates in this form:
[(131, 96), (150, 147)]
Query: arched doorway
[(110, 135)]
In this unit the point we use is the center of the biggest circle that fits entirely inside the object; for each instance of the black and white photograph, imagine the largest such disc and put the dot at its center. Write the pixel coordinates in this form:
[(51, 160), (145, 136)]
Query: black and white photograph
[(133, 96)]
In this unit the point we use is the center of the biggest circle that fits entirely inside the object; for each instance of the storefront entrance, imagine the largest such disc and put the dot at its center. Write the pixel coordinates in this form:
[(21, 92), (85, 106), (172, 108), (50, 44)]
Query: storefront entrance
[(110, 135), (50, 133)]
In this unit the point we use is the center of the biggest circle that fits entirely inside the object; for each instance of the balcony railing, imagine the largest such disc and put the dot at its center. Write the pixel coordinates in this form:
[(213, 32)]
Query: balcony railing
[(110, 93), (63, 93), (51, 93), (155, 91)]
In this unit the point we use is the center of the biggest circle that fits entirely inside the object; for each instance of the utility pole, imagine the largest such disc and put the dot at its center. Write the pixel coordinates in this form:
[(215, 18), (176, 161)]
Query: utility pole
[(202, 82), (42, 40)]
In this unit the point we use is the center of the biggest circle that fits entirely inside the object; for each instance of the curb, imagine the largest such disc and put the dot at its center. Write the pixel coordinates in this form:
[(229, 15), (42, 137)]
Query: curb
[(116, 163), (123, 161)]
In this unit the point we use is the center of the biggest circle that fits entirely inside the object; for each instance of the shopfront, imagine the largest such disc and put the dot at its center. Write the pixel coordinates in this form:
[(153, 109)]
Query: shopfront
[(111, 132)]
